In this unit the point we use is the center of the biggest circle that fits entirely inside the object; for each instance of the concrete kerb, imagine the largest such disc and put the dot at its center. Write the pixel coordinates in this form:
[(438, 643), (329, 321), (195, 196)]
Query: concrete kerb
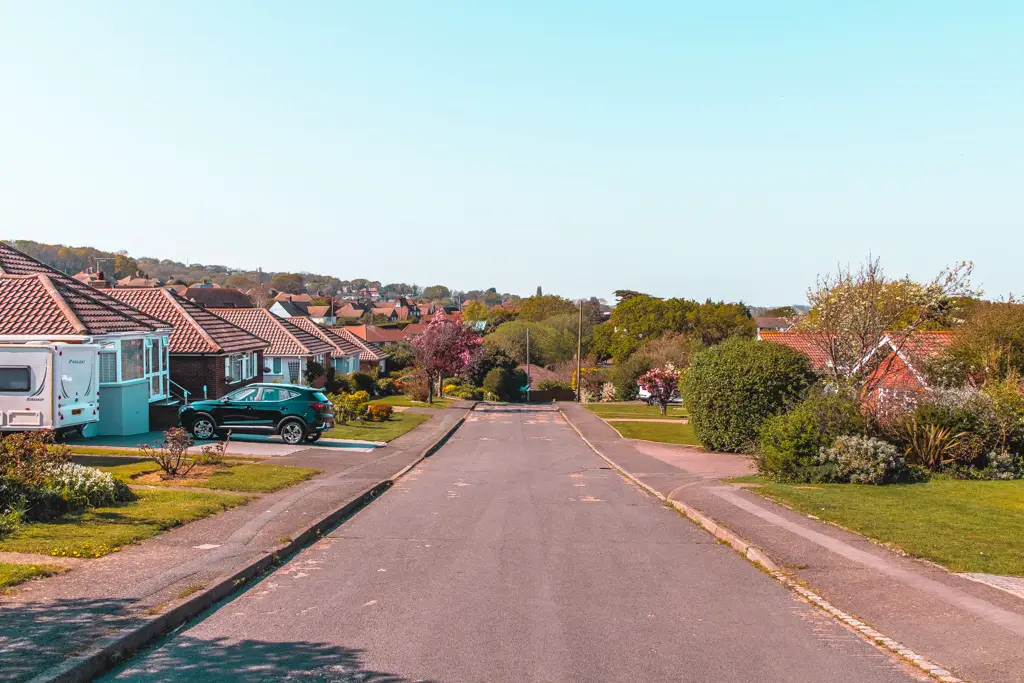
[(758, 557), (115, 649)]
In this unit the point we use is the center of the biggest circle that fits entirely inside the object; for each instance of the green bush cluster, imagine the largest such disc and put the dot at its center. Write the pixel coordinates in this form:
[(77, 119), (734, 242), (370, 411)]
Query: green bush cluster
[(505, 384), (732, 389)]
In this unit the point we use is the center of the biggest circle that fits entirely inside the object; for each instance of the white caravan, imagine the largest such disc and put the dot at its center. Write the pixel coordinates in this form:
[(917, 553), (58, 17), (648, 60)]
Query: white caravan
[(48, 385)]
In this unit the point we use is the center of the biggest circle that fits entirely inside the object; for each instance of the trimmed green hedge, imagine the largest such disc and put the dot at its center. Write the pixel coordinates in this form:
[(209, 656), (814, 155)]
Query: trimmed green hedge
[(731, 389)]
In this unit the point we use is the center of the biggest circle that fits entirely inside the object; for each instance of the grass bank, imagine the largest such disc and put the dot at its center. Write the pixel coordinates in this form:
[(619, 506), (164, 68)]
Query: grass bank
[(665, 432), (634, 410), (967, 526), (13, 574), (98, 531), (235, 475), (399, 424)]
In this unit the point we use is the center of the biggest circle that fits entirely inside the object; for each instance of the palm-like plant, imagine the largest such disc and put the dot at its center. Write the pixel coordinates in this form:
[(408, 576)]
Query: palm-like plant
[(931, 445)]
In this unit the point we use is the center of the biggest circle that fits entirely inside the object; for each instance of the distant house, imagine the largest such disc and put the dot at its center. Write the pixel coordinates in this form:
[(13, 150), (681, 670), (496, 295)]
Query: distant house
[(285, 308), (294, 298), (138, 280), (346, 354), (93, 278), (209, 356), (371, 356), (218, 297), (803, 342), (322, 315), (39, 303), (772, 324), (377, 335), (291, 348), (352, 309)]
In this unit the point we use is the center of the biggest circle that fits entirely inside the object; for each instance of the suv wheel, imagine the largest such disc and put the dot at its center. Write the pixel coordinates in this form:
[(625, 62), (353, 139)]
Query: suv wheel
[(293, 432), (203, 428)]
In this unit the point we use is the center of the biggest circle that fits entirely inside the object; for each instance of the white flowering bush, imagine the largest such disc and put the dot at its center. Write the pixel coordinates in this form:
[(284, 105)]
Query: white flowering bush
[(863, 460), (607, 392), (87, 486)]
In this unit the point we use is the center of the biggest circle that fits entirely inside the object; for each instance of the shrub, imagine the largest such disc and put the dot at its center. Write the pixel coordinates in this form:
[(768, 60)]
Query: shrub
[(360, 381), (505, 384), (379, 412), (336, 383), (417, 388), (313, 371), (172, 454), (88, 486), (386, 387), (932, 446), (349, 406), (552, 384), (1004, 466), (607, 392), (626, 376), (863, 460), (732, 388), (468, 393), (790, 442)]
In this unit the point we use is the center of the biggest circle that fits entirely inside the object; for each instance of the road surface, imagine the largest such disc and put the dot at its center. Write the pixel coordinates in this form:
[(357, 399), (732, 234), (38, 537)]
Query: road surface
[(514, 554)]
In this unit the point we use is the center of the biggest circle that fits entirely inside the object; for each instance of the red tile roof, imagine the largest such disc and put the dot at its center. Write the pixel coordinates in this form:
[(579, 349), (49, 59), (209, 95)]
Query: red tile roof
[(83, 306), (904, 371), (195, 329), (319, 311), (343, 345), (377, 335), (805, 342), (285, 338), (218, 297), (301, 298), (368, 351)]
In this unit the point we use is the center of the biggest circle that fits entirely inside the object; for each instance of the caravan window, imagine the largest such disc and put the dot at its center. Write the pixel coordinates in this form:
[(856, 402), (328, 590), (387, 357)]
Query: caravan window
[(15, 379)]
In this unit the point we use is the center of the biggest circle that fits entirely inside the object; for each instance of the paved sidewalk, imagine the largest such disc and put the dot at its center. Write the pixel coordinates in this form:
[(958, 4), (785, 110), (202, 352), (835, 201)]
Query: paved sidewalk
[(43, 622), (972, 629)]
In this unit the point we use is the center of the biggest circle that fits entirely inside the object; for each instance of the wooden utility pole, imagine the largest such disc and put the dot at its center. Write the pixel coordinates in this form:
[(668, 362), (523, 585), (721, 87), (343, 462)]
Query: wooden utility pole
[(579, 353), (527, 364)]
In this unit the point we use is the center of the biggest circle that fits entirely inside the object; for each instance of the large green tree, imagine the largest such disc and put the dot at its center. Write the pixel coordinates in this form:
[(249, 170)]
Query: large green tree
[(543, 306)]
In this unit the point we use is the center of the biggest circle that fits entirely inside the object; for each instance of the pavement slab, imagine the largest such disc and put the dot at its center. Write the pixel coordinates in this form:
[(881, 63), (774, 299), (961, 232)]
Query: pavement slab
[(45, 621), (975, 630), (515, 554)]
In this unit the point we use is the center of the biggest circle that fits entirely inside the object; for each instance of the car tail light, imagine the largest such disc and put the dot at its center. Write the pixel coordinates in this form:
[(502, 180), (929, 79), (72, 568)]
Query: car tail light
[(320, 407)]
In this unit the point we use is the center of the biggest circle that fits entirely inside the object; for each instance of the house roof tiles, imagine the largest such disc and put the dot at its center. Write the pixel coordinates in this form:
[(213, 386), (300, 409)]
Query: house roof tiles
[(195, 329), (285, 338), (343, 345)]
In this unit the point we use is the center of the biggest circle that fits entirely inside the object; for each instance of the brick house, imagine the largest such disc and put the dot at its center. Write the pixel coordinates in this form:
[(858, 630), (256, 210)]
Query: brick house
[(346, 355), (210, 356)]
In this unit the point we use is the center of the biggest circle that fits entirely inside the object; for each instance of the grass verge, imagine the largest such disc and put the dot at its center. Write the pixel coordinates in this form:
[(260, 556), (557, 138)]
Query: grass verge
[(246, 477), (967, 526), (635, 410), (403, 400), (98, 531), (665, 432), (399, 424), (13, 574)]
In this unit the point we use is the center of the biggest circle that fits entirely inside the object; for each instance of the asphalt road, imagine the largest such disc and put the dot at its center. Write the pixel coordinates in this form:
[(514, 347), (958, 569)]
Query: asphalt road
[(511, 555)]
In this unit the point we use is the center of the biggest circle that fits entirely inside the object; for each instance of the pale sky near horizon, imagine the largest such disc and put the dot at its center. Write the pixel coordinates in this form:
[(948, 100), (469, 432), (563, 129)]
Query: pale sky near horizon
[(729, 150)]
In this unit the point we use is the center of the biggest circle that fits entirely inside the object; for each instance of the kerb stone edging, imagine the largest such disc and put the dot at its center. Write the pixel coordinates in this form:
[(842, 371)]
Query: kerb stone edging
[(758, 557), (113, 650)]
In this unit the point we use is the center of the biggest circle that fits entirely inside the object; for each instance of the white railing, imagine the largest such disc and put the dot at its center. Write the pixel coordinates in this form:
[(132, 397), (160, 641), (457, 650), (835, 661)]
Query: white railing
[(174, 385)]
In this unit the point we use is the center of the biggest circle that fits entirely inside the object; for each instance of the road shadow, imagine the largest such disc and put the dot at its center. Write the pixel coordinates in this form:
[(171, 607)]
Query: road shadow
[(222, 660), (36, 635), (513, 408)]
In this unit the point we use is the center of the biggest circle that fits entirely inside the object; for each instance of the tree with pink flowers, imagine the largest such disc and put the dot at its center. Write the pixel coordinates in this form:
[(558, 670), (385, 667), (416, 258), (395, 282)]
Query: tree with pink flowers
[(444, 349), (662, 384)]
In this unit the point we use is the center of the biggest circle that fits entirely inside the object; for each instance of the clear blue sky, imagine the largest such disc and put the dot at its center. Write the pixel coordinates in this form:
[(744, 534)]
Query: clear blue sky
[(704, 149)]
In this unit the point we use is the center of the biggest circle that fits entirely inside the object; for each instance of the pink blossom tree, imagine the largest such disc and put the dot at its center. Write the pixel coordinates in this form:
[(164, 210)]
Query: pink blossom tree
[(662, 384), (444, 349)]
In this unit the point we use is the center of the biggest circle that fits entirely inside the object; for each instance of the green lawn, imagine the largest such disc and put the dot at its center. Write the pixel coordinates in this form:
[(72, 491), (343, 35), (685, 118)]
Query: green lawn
[(239, 475), (634, 410), (98, 531), (13, 574), (403, 400), (399, 424), (968, 526), (665, 432)]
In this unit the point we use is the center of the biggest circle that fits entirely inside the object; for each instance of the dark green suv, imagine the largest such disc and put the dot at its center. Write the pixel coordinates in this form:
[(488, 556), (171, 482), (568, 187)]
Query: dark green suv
[(296, 413)]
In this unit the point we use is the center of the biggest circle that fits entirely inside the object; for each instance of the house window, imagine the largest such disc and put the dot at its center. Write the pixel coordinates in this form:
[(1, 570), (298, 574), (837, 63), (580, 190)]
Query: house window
[(276, 366), (132, 359), (108, 367)]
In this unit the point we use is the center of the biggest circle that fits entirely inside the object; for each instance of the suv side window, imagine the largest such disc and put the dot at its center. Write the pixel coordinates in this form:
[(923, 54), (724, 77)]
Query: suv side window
[(247, 395), (275, 394)]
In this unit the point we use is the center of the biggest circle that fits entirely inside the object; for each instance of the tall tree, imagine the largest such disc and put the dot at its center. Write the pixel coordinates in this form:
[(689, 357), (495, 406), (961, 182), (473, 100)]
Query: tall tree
[(541, 307)]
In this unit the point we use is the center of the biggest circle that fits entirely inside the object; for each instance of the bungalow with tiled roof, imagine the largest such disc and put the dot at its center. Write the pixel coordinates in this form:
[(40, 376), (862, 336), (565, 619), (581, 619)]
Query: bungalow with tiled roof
[(322, 315), (138, 280), (291, 348), (218, 297), (39, 303), (345, 357), (285, 308), (93, 277), (803, 342), (209, 355)]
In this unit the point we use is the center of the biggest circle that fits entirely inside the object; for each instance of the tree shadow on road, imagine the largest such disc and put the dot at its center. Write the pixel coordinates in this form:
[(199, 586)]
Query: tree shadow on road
[(185, 658), (38, 634)]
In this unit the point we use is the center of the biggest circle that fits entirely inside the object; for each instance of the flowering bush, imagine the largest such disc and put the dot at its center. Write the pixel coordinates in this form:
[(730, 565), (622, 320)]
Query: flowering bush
[(1004, 466), (349, 406), (607, 392), (87, 486), (863, 460), (380, 412), (662, 384)]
